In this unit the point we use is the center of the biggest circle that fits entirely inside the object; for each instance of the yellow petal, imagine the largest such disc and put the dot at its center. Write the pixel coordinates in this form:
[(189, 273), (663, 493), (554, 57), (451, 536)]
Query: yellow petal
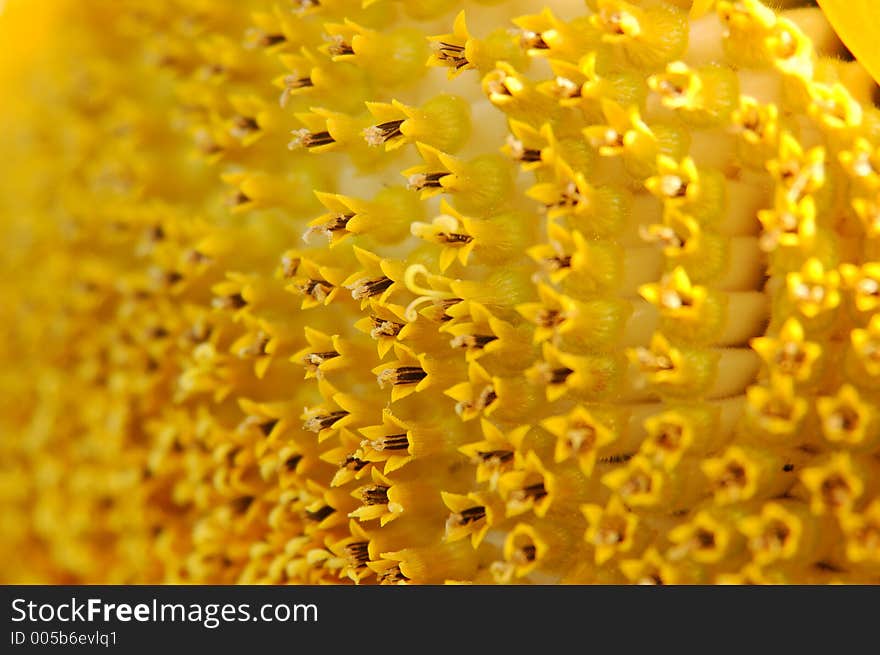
[(857, 23)]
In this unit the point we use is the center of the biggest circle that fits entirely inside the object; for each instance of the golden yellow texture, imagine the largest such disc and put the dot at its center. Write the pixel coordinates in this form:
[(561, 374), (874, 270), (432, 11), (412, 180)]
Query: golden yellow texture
[(858, 23), (319, 291)]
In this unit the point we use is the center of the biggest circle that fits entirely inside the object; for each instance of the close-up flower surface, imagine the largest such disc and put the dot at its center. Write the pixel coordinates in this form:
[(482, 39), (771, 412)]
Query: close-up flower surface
[(486, 291)]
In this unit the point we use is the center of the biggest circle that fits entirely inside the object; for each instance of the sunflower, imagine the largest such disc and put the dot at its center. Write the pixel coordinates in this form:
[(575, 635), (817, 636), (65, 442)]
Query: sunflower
[(313, 291)]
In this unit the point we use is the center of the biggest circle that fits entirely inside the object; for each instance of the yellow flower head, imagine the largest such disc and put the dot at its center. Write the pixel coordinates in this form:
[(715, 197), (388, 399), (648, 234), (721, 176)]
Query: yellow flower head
[(384, 292)]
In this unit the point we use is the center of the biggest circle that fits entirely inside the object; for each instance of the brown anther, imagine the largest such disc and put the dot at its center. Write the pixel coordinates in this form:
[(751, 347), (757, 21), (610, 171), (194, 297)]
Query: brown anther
[(613, 21), (402, 375), (472, 341), (580, 436), (337, 223), (559, 375), (835, 491), (451, 55), (352, 463), (670, 88), (244, 125), (230, 455), (470, 515), (266, 427), (790, 358), (704, 540), (257, 348), (208, 147), (319, 514), (294, 82), (383, 328), (533, 492), (550, 318), (520, 153), (375, 495), (612, 139), (454, 238), (533, 41), (170, 278), (390, 442), (313, 361), (460, 519), (367, 288), (358, 554), (156, 233), (670, 437), (317, 289), (384, 132), (338, 47), (195, 257), (268, 40), (240, 505), (778, 408), (157, 332), (845, 418), (446, 304), (734, 476), (421, 181), (638, 483), (289, 266), (673, 186), (167, 61), (565, 88), (774, 537), (391, 576), (315, 139), (496, 84), (495, 457), (323, 421), (525, 554), (199, 332), (303, 5), (611, 531), (486, 397), (232, 301), (570, 196), (557, 263)]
